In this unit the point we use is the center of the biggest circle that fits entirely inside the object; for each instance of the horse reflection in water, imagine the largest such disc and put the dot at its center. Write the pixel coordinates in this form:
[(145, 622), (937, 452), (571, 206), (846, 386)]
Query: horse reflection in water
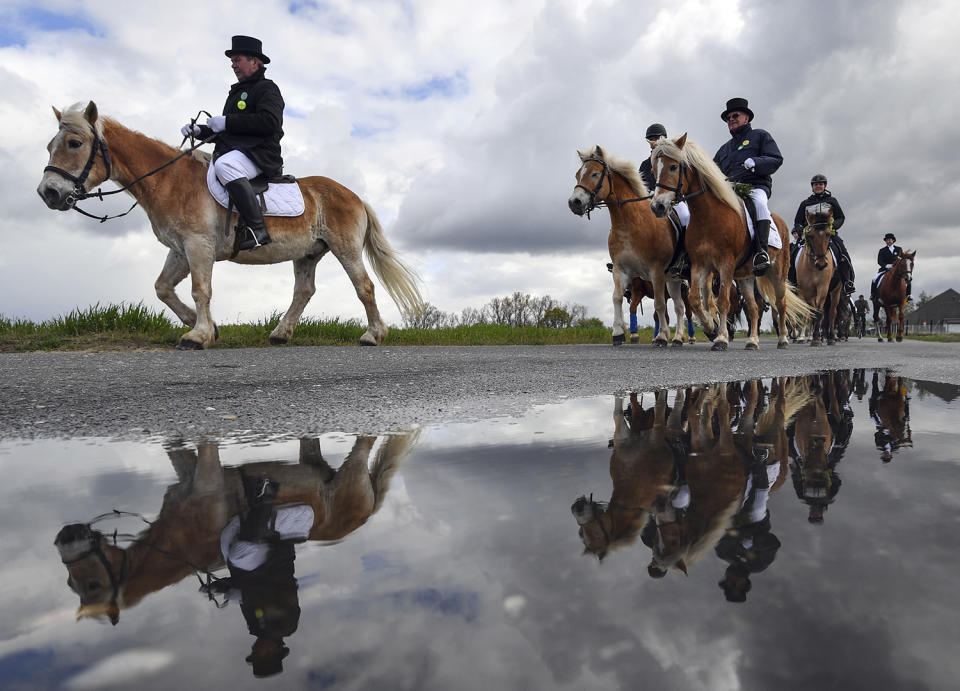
[(890, 411), (247, 518), (696, 477), (819, 437)]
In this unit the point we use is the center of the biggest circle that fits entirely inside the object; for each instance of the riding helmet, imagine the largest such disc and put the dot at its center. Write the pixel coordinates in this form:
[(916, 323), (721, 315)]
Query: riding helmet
[(891, 236), (655, 131), (819, 177)]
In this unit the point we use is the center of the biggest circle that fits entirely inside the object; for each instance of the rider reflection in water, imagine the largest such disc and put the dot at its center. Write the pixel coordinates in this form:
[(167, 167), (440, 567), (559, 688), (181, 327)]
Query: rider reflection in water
[(258, 547)]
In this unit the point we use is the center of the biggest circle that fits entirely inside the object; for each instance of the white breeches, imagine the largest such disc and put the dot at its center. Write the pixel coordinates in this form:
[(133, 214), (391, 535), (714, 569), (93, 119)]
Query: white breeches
[(759, 198), (234, 165), (683, 211)]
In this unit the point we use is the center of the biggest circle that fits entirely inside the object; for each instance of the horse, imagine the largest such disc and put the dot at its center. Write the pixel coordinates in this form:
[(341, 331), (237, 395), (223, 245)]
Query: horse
[(817, 281), (639, 243), (642, 288), (642, 465), (891, 295), (844, 318), (185, 538), (718, 242), (88, 150)]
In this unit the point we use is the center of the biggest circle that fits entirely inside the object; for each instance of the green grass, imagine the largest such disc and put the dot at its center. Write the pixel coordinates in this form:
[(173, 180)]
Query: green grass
[(137, 327)]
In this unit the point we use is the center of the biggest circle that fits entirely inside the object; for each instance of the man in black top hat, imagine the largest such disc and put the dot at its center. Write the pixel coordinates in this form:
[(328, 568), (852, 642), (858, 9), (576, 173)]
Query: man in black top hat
[(679, 265), (751, 156), (249, 130), (885, 258), (822, 196)]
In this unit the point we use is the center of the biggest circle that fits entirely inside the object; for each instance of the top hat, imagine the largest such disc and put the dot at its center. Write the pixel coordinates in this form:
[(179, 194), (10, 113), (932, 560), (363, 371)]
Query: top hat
[(247, 45), (655, 130), (891, 236), (736, 104)]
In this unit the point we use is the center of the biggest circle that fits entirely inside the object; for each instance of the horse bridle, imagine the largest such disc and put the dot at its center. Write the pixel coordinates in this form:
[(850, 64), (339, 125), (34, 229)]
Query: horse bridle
[(99, 145), (678, 195), (813, 256), (116, 579), (593, 203)]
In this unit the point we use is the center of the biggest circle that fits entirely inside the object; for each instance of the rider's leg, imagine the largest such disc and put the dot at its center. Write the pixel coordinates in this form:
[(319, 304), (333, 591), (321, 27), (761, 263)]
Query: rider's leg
[(761, 260), (844, 265), (679, 265), (792, 272), (234, 170)]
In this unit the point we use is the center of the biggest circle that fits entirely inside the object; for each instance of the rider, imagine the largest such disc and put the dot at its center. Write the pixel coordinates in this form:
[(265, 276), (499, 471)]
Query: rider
[(885, 258), (821, 195), (860, 307), (751, 156), (678, 266), (250, 130), (796, 242)]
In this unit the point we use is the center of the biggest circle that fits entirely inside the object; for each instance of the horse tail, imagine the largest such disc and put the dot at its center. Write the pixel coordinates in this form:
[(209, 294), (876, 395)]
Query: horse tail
[(391, 452), (398, 278), (798, 311)]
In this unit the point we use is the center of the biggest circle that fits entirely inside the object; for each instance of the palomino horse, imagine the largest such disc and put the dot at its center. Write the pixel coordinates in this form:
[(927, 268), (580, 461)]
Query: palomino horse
[(892, 295), (639, 243), (185, 537), (642, 466), (718, 242), (642, 288), (817, 283), (191, 224)]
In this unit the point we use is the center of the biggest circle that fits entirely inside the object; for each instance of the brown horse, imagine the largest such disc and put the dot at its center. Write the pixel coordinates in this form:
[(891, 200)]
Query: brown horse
[(641, 467), (641, 288), (639, 243), (718, 242), (892, 295), (816, 274), (187, 219), (889, 408), (185, 537)]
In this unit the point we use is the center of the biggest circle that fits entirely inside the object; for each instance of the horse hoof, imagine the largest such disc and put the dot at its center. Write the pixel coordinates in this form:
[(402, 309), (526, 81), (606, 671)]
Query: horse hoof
[(711, 335), (189, 344), (659, 343), (751, 346), (634, 338), (719, 346), (676, 344), (879, 340), (619, 340), (889, 340), (781, 346), (815, 344), (277, 340), (831, 342), (899, 339)]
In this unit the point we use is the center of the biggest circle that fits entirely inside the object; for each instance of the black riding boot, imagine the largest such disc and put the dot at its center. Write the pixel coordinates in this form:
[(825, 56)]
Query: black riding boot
[(909, 288), (761, 260), (844, 265), (792, 272), (243, 197)]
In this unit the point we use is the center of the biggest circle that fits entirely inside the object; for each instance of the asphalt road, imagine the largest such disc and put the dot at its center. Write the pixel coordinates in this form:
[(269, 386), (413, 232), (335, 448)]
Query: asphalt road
[(288, 392)]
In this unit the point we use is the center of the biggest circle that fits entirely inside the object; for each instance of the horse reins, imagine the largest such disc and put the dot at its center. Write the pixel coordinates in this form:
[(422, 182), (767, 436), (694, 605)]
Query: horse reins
[(593, 203), (100, 146)]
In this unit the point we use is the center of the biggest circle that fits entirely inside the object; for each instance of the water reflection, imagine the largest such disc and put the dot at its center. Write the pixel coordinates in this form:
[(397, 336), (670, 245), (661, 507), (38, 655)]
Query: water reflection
[(246, 518), (693, 472)]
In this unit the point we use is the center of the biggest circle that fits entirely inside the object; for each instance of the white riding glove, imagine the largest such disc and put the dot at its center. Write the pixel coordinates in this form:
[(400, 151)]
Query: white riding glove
[(218, 123), (888, 266), (189, 129), (749, 164)]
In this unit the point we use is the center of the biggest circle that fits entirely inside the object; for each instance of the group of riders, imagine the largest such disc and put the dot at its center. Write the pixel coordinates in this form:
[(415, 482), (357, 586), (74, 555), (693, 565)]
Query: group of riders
[(750, 157), (247, 153)]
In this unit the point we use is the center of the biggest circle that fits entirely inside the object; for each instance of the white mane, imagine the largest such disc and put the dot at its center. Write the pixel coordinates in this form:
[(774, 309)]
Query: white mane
[(696, 158), (625, 167), (72, 118)]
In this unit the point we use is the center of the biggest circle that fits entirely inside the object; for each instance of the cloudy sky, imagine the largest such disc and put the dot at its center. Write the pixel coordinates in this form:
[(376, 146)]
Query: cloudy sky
[(459, 122)]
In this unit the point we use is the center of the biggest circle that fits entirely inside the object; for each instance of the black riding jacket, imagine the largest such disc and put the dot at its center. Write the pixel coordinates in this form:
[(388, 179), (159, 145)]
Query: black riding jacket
[(885, 256), (825, 197), (256, 127), (746, 142)]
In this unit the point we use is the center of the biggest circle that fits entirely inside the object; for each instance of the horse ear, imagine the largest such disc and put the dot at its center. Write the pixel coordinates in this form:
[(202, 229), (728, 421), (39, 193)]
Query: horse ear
[(680, 564), (598, 152), (56, 112), (91, 113), (681, 140)]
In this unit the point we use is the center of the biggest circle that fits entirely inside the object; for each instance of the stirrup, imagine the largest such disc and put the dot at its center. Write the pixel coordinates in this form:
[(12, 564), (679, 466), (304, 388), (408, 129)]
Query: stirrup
[(849, 288), (761, 262), (680, 269), (251, 241)]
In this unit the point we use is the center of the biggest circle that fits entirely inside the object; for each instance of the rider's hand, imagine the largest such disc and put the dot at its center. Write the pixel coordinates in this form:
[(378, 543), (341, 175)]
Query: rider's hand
[(888, 266), (218, 123), (749, 164), (189, 129)]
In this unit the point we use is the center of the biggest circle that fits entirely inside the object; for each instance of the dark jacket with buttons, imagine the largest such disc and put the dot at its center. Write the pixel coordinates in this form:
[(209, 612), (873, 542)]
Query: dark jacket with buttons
[(800, 220), (746, 142), (254, 112), (885, 256)]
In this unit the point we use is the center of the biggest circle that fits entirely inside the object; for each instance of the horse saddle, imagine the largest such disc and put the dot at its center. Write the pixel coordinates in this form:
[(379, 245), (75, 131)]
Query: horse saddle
[(279, 196)]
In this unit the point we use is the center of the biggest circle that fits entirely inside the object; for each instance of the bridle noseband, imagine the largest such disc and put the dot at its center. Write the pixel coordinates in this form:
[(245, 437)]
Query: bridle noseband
[(99, 145), (593, 203), (678, 195)]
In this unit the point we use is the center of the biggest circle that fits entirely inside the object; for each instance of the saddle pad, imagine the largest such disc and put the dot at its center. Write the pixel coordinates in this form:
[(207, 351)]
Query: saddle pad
[(280, 199), (773, 237)]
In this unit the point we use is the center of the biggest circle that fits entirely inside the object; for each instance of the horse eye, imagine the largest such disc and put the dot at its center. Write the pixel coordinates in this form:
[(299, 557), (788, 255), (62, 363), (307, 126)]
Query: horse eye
[(94, 585), (673, 167), (75, 143)]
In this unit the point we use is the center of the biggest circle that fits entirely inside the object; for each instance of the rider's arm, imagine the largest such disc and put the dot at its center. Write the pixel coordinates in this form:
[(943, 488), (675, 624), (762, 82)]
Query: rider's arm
[(770, 158), (838, 216), (267, 118), (800, 220)]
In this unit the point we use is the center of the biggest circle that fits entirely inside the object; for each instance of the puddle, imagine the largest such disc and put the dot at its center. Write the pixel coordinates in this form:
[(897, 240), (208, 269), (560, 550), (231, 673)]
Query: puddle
[(794, 532)]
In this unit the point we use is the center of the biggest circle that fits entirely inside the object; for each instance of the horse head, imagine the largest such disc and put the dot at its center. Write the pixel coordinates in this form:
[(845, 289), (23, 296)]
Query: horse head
[(903, 265), (669, 170), (79, 159), (818, 232), (96, 570)]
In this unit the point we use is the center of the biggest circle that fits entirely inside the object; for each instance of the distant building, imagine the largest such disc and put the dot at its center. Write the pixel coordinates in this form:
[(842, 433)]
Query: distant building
[(941, 314)]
